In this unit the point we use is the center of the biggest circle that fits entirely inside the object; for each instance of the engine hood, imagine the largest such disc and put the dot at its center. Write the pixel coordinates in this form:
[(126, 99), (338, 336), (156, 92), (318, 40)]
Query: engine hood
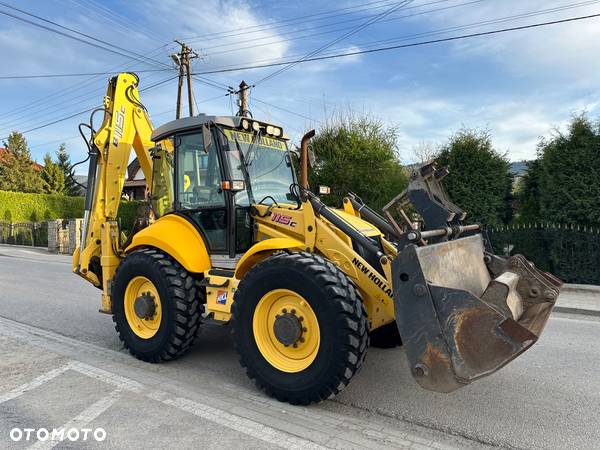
[(361, 225)]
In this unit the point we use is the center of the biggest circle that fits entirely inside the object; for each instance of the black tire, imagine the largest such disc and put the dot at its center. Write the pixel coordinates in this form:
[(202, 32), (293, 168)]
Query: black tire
[(342, 321), (181, 299), (386, 336)]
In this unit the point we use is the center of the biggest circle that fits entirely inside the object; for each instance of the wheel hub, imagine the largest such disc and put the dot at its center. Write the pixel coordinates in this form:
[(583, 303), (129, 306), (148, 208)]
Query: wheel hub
[(287, 329), (144, 306)]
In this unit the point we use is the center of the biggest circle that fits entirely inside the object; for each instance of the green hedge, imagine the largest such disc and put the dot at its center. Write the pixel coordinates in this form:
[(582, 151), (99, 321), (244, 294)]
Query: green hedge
[(21, 207)]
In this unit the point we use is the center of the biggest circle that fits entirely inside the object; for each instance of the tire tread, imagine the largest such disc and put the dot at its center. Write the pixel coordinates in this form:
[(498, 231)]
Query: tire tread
[(185, 290), (351, 313)]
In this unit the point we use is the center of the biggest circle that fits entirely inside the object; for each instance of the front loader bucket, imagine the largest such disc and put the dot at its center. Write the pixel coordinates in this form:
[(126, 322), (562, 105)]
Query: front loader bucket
[(463, 314)]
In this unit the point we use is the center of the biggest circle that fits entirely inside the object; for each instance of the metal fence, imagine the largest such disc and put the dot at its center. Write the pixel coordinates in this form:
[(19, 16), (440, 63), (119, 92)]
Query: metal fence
[(570, 252), (25, 233)]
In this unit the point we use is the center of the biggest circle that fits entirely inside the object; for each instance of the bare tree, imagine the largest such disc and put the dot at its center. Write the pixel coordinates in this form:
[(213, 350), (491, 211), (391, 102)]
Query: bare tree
[(425, 151)]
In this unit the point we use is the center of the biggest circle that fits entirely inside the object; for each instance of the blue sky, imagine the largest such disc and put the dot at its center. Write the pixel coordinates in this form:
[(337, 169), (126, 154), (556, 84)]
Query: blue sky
[(519, 85)]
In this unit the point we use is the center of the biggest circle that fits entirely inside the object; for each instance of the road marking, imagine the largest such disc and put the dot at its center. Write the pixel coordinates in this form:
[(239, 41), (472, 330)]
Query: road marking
[(342, 429), (241, 424), (120, 382), (35, 383), (202, 410), (82, 420), (31, 253)]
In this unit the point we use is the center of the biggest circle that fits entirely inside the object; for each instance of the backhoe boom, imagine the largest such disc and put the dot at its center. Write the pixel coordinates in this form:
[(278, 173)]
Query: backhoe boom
[(125, 125)]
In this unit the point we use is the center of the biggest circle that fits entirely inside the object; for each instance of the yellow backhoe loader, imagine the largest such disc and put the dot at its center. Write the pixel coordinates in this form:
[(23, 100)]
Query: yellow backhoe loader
[(233, 236)]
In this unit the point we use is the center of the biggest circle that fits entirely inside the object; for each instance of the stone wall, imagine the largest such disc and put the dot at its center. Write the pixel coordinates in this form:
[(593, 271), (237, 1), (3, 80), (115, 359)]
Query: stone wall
[(64, 235)]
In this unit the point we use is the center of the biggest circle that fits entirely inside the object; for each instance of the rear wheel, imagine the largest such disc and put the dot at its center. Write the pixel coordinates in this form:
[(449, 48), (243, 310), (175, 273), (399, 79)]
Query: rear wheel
[(299, 327), (157, 306)]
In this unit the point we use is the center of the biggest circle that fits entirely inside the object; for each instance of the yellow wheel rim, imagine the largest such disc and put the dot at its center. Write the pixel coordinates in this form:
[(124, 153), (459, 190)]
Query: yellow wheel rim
[(138, 287), (293, 357)]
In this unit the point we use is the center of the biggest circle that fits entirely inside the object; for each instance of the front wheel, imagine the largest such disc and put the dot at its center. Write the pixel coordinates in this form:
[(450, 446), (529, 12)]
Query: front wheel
[(157, 306), (299, 327)]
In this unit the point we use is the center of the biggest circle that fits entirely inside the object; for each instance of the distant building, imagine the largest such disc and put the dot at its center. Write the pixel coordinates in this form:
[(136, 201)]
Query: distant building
[(82, 186), (6, 153), (135, 187), (518, 168)]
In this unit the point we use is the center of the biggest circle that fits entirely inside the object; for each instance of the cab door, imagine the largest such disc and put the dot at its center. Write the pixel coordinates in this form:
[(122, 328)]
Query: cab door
[(198, 193)]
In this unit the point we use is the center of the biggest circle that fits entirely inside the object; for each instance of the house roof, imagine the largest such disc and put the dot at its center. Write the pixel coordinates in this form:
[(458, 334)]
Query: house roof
[(132, 169), (135, 183), (5, 153)]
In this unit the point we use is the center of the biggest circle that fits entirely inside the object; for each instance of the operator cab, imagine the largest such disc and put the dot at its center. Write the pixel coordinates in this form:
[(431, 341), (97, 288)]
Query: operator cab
[(211, 169)]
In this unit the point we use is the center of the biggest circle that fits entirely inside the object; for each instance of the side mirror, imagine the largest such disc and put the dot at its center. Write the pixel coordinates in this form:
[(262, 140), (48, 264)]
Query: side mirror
[(234, 185), (206, 138)]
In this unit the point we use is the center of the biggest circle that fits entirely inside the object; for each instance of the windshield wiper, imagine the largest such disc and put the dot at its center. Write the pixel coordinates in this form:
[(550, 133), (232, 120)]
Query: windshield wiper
[(253, 147), (244, 167)]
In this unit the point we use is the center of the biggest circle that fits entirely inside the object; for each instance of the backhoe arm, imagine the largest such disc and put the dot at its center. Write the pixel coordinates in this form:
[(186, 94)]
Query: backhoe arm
[(125, 126)]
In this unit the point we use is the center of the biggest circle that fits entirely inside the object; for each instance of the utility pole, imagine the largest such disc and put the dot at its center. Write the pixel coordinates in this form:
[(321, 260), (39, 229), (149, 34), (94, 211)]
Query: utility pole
[(243, 93), (183, 59)]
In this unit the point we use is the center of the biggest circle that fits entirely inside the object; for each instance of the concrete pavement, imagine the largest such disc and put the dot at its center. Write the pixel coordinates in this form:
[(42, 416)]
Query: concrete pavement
[(547, 398), (78, 386)]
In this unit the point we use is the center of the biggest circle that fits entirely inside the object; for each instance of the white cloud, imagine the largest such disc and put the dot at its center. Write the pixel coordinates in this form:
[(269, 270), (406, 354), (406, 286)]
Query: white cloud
[(515, 124), (564, 49), (194, 20)]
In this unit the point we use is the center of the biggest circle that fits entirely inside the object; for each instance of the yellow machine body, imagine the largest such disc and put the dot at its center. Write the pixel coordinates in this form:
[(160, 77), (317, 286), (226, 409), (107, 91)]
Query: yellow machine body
[(393, 272)]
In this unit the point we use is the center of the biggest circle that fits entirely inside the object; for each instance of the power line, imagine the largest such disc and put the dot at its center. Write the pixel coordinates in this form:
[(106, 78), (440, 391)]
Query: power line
[(289, 111), (117, 19), (69, 75), (484, 22), (139, 57), (77, 87), (310, 31), (29, 115), (311, 35), (152, 61), (338, 39), (56, 141), (78, 136), (394, 47), (530, 14), (212, 83), (285, 22), (89, 109), (213, 98)]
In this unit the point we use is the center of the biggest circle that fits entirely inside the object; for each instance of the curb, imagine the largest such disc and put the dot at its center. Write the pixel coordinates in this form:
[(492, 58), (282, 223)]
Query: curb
[(24, 246), (585, 312), (581, 288), (589, 289)]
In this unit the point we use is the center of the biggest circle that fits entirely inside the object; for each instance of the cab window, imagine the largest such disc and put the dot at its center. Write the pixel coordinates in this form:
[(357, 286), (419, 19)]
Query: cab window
[(199, 193), (198, 173)]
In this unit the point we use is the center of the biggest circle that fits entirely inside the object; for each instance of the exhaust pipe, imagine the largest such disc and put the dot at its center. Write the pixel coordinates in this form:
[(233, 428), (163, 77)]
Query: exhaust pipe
[(304, 158)]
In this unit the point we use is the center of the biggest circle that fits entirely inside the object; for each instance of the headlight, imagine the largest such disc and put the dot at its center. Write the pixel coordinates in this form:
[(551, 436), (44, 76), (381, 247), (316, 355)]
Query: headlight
[(245, 124), (255, 126), (270, 129), (277, 132)]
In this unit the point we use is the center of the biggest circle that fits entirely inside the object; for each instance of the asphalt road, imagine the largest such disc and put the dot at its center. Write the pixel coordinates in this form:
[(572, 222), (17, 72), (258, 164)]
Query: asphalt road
[(547, 398)]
